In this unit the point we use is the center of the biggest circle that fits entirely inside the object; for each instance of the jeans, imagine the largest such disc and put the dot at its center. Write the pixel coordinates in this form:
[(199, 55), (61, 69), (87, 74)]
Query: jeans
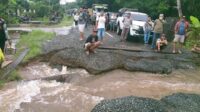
[(146, 37), (155, 37), (112, 26), (101, 33)]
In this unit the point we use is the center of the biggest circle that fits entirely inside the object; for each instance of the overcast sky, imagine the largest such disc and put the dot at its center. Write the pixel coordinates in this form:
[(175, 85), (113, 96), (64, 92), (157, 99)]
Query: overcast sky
[(64, 1)]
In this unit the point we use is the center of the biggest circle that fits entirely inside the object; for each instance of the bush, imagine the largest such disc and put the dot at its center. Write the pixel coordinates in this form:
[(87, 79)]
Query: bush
[(193, 33), (42, 11)]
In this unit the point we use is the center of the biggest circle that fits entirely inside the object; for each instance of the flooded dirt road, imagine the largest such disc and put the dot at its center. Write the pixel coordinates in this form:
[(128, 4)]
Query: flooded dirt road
[(83, 95)]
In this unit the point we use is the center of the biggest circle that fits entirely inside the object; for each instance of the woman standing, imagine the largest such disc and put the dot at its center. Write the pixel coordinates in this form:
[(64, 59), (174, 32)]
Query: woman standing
[(76, 17), (101, 26)]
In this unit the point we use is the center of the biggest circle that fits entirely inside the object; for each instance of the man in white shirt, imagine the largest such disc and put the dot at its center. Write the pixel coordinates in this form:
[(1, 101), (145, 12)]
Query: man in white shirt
[(101, 20), (127, 23)]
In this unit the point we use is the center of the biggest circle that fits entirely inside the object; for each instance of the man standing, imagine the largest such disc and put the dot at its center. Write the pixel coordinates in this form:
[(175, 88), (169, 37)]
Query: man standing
[(127, 23), (113, 19), (3, 34), (158, 30), (81, 23), (87, 18), (147, 30), (180, 31), (92, 43)]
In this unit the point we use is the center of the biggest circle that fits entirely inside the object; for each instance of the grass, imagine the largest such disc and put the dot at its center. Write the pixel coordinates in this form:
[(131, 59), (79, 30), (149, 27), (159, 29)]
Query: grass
[(34, 41), (190, 43), (66, 21), (2, 82), (45, 19), (13, 76)]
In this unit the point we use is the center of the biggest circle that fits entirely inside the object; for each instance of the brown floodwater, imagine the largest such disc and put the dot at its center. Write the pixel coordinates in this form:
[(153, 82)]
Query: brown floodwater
[(83, 95)]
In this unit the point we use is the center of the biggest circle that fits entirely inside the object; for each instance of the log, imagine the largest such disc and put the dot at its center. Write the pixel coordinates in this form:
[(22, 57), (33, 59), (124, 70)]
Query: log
[(8, 69), (68, 78), (132, 50)]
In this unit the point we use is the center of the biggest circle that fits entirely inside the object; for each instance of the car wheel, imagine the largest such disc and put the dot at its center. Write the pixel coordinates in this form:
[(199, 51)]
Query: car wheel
[(119, 31)]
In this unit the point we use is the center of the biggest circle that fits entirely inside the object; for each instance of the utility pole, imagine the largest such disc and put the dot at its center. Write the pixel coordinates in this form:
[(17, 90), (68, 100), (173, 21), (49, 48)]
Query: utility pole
[(180, 13), (49, 7)]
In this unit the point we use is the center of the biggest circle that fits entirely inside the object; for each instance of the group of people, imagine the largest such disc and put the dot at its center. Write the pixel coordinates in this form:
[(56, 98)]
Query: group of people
[(157, 27), (159, 39), (81, 19)]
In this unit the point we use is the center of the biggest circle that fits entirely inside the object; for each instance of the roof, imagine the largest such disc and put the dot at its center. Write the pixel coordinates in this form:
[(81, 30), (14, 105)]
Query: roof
[(136, 13)]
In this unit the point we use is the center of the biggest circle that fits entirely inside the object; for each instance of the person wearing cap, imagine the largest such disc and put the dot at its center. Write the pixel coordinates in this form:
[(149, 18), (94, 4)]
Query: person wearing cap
[(161, 42), (92, 43), (3, 34), (186, 22), (157, 30), (180, 29)]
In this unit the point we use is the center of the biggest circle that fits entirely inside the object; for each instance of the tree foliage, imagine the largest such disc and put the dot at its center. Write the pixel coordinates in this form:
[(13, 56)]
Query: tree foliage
[(194, 31), (152, 7), (32, 8)]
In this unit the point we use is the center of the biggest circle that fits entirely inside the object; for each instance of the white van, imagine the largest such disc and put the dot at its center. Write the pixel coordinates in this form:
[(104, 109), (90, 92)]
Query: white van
[(138, 21)]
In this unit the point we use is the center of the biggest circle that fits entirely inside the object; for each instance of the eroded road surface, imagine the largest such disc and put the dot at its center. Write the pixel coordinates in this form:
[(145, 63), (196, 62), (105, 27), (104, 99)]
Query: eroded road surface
[(85, 90)]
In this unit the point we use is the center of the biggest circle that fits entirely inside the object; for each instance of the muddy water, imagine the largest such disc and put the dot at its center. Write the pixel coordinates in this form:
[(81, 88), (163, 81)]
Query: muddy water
[(82, 96)]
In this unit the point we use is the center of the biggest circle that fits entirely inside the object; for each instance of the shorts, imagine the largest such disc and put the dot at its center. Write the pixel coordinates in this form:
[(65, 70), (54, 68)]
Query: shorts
[(87, 44), (81, 27), (179, 38)]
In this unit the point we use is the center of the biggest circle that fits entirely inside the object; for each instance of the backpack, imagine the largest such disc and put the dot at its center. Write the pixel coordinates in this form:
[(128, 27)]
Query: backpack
[(2, 58), (1, 25), (82, 17), (181, 28)]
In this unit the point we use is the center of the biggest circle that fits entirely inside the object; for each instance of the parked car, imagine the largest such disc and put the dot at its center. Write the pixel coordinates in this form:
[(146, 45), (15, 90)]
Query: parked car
[(24, 19), (138, 21)]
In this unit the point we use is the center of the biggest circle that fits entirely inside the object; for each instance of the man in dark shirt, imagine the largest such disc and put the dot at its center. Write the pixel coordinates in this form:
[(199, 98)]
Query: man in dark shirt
[(3, 34), (92, 43)]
